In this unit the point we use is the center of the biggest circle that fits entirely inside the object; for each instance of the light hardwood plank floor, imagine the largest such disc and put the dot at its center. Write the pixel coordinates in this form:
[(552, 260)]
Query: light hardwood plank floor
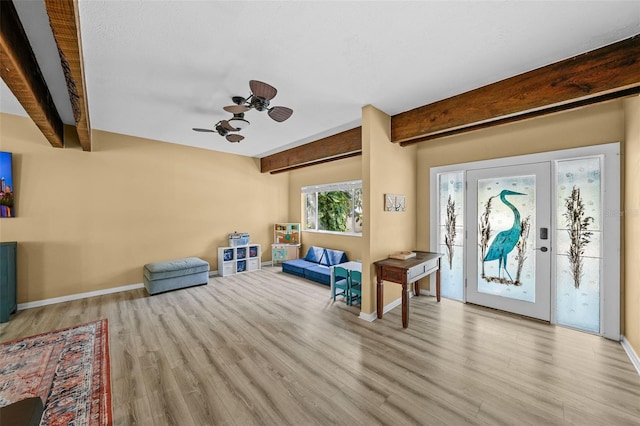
[(265, 348)]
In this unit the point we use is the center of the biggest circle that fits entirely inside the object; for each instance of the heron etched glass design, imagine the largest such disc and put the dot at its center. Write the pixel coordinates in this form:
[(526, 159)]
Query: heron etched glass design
[(506, 208), (578, 253), (451, 233)]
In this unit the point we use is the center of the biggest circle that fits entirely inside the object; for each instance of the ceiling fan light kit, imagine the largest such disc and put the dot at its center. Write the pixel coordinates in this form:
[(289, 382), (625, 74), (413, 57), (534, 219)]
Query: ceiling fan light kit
[(259, 99), (239, 122)]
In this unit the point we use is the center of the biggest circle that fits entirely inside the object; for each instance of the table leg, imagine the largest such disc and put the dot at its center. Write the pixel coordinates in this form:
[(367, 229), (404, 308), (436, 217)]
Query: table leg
[(379, 293), (438, 282), (405, 306), (416, 288)]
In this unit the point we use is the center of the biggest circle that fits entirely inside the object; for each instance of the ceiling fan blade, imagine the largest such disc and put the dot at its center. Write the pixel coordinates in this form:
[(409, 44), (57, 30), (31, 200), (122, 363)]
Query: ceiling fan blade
[(280, 113), (262, 90), (234, 137), (236, 109), (204, 130), (226, 125)]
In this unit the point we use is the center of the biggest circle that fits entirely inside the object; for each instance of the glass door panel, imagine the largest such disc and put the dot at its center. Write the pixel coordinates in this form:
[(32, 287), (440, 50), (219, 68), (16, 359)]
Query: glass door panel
[(451, 233), (506, 261), (579, 234), (508, 206)]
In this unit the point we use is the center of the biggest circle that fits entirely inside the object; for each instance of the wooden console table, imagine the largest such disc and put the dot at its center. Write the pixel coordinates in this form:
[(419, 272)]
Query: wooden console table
[(405, 272)]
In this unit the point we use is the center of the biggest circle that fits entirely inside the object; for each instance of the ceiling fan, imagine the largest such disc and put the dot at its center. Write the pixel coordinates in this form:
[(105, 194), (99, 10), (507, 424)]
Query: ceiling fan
[(259, 99), (223, 128)]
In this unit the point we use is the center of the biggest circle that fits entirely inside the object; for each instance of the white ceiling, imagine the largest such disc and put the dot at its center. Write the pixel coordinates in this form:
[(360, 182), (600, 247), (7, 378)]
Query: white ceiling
[(156, 69)]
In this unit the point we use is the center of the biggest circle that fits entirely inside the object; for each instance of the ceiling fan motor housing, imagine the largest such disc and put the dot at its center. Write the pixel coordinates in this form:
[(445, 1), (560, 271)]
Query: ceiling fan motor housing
[(259, 103)]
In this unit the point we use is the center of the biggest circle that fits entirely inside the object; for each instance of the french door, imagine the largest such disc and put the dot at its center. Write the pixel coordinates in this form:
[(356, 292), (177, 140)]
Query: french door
[(508, 259), (537, 235)]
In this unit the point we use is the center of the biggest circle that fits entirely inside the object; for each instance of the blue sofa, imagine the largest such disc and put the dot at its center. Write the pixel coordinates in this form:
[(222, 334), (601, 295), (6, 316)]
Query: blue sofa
[(315, 266)]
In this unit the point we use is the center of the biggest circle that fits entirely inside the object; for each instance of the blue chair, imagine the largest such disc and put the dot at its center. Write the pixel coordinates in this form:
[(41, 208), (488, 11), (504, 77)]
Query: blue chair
[(354, 292), (340, 283)]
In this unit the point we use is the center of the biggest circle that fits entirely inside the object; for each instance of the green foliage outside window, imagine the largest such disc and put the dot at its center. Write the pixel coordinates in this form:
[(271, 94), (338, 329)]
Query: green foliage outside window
[(334, 209), (357, 209)]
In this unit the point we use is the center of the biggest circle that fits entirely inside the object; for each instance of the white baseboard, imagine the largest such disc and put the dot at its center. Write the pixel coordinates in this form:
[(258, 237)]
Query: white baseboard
[(393, 304), (633, 356), (368, 317), (61, 299), (373, 315)]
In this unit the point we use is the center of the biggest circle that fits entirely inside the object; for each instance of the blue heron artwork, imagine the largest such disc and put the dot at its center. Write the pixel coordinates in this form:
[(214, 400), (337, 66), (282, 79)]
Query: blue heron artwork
[(506, 240)]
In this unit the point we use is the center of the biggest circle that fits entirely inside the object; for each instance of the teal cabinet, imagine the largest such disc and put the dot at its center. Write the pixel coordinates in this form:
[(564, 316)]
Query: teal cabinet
[(8, 297)]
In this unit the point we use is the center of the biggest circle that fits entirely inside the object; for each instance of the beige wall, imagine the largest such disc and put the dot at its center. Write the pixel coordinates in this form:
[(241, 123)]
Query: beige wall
[(631, 297), (336, 171), (90, 221), (387, 168), (593, 125)]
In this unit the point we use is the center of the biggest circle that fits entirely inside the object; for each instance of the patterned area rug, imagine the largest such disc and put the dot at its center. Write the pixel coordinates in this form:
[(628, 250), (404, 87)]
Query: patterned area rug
[(68, 369)]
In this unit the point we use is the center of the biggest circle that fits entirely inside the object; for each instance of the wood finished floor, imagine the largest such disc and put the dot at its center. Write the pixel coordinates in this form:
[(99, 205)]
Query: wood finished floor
[(266, 348)]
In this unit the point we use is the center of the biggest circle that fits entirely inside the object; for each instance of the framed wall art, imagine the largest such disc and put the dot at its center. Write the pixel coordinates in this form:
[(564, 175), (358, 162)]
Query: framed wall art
[(394, 203)]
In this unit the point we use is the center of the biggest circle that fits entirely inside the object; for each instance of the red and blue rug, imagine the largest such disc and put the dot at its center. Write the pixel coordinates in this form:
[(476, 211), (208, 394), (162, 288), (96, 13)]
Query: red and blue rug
[(68, 369)]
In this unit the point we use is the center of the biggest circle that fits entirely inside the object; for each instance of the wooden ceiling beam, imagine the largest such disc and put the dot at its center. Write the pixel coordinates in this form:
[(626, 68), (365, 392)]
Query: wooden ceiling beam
[(20, 71), (342, 145), (65, 24), (602, 74)]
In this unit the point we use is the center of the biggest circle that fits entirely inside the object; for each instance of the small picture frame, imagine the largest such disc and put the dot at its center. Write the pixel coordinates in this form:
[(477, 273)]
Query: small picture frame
[(394, 203)]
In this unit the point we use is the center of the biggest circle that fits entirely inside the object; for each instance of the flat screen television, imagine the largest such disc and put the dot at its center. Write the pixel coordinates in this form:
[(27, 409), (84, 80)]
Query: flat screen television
[(6, 186)]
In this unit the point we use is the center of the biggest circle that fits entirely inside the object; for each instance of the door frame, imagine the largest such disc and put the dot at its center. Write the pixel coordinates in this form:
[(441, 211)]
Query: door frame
[(610, 302)]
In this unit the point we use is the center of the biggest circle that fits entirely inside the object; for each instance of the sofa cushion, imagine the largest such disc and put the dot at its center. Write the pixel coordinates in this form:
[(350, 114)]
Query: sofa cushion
[(318, 273), (316, 264), (297, 266), (315, 254), (175, 268), (333, 257)]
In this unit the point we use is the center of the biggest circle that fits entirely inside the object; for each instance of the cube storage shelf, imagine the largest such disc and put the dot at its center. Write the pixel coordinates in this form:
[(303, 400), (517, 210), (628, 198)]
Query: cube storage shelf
[(235, 260)]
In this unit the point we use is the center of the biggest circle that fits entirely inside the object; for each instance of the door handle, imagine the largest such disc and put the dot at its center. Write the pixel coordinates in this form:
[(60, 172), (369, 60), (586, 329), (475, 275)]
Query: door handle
[(543, 249)]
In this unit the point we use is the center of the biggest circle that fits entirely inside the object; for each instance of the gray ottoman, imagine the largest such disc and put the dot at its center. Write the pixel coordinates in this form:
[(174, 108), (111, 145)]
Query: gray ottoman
[(174, 274)]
